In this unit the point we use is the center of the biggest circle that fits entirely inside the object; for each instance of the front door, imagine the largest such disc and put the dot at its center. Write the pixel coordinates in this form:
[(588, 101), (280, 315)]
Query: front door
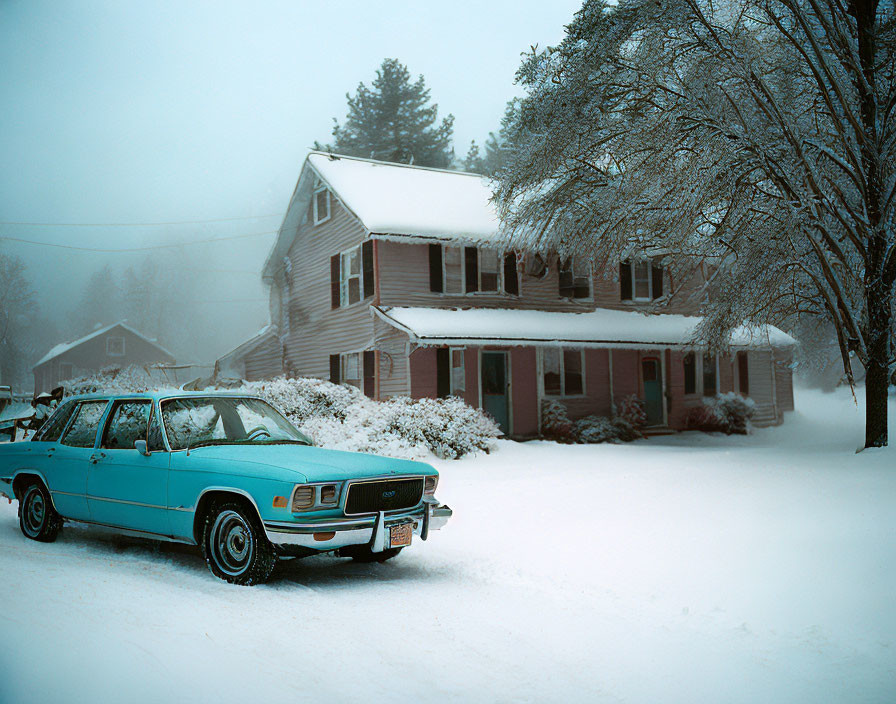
[(69, 460), (652, 377), (125, 488), (495, 388)]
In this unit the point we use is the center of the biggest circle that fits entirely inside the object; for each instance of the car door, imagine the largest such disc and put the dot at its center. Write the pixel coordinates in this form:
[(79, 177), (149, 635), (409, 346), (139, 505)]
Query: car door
[(125, 488), (69, 459)]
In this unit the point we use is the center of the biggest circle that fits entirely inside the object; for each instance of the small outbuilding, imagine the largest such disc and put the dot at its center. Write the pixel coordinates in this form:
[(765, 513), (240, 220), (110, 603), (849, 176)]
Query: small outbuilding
[(114, 345)]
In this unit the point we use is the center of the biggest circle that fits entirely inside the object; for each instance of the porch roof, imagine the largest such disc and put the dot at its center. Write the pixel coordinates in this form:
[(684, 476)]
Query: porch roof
[(598, 328)]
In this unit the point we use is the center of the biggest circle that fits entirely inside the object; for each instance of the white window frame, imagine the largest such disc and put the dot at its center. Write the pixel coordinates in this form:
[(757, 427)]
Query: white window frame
[(576, 261), (563, 393), (343, 366), (502, 253), (698, 373), (453, 389), (344, 275), (109, 352), (320, 187), (650, 265)]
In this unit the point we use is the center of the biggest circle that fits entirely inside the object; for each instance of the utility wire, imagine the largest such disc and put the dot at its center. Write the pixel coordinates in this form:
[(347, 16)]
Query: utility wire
[(136, 249), (135, 224)]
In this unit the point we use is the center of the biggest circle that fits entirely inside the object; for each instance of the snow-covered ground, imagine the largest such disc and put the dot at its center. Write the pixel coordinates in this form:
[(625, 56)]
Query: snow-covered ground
[(687, 568)]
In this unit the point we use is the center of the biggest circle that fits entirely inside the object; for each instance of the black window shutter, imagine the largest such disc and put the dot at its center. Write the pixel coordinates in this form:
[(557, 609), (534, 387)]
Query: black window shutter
[(435, 268), (690, 374), (625, 281), (743, 373), (369, 373), (443, 373), (367, 267), (567, 283), (511, 280), (656, 273), (471, 269), (334, 281), (334, 368)]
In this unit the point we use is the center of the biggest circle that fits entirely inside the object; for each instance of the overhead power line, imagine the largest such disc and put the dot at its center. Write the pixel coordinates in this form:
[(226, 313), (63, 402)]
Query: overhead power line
[(135, 224), (136, 249)]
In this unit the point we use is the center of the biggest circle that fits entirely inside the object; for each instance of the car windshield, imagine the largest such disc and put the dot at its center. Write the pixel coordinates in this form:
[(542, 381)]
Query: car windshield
[(191, 422)]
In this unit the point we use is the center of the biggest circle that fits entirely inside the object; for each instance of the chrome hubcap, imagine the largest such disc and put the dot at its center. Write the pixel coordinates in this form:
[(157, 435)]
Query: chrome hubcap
[(34, 513), (232, 543)]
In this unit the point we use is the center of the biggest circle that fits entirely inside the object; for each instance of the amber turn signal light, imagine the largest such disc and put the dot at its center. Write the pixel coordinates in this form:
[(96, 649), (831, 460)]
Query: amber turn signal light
[(279, 502), (320, 537)]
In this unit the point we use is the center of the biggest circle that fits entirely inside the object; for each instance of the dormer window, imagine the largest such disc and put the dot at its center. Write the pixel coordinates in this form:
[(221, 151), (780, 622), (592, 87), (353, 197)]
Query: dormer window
[(640, 280), (321, 203)]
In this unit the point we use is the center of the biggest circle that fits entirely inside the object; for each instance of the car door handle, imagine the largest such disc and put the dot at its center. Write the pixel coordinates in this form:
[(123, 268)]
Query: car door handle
[(97, 457)]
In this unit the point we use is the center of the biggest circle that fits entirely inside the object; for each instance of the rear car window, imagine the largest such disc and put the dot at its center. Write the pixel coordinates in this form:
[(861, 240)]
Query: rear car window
[(56, 424), (82, 431)]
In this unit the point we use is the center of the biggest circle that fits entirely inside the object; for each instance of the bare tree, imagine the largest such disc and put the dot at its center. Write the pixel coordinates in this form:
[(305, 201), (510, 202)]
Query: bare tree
[(755, 135)]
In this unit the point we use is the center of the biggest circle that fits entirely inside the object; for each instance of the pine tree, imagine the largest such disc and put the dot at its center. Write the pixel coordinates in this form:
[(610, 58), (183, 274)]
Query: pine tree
[(473, 162), (392, 120)]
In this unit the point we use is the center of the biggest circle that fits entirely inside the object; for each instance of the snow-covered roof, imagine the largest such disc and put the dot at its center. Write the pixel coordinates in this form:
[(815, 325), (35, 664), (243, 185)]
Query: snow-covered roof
[(411, 201), (225, 363), (599, 328), (63, 347)]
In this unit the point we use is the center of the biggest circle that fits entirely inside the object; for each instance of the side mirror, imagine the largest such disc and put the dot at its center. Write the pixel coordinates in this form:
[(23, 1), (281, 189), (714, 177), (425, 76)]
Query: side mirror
[(140, 446)]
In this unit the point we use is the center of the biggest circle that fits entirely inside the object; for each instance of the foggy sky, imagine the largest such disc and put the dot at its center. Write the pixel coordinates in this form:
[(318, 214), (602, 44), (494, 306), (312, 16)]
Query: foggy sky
[(124, 112)]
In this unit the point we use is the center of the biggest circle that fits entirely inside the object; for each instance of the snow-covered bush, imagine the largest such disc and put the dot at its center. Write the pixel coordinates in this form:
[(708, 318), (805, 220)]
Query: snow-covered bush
[(306, 398), (595, 429), (632, 411), (114, 380), (555, 423), (728, 413)]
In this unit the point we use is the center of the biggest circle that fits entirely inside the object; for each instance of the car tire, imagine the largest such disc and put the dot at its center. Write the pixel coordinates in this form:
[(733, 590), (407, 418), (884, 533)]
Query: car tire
[(37, 517), (363, 553), (234, 545)]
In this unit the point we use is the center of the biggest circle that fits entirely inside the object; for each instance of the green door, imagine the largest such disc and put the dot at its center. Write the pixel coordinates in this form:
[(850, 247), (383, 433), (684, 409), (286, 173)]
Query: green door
[(494, 388), (652, 377)]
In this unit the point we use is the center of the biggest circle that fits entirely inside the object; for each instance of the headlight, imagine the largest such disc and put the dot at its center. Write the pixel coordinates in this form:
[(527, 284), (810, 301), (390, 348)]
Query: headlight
[(430, 484), (309, 497)]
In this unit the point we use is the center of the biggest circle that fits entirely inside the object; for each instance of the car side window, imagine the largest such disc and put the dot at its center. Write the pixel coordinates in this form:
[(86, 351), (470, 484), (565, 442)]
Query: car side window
[(154, 440), (127, 424), (56, 424), (82, 431)]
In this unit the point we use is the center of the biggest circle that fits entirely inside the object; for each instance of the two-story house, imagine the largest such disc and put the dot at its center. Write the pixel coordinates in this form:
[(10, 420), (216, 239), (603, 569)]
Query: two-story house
[(396, 279)]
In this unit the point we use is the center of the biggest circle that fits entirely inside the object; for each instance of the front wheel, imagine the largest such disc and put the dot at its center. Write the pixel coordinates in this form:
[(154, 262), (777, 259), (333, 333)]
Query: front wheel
[(37, 517), (235, 547)]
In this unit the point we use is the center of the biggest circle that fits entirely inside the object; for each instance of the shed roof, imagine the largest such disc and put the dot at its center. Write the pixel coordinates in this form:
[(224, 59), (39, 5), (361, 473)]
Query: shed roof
[(64, 347), (598, 328), (225, 362)]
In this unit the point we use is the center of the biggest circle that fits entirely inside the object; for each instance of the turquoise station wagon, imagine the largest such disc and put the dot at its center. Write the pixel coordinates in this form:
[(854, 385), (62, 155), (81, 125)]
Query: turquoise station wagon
[(223, 471)]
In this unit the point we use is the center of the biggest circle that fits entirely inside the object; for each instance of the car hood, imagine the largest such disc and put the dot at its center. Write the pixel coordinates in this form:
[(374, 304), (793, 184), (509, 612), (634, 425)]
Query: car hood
[(314, 464)]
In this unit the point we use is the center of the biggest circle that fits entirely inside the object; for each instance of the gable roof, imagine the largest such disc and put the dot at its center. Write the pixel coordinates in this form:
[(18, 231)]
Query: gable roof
[(599, 328), (64, 347), (395, 201)]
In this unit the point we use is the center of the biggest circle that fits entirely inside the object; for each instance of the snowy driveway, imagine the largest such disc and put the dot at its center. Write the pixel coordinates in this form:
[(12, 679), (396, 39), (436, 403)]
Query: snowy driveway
[(681, 569)]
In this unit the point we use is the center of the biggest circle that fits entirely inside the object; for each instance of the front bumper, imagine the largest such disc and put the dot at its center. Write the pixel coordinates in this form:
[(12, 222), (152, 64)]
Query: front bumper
[(324, 535)]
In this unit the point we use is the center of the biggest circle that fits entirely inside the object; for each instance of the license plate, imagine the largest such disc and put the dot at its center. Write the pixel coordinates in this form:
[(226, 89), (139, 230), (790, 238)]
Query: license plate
[(400, 536)]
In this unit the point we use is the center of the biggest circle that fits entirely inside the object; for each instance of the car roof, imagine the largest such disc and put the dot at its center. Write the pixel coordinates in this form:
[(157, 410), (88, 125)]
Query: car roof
[(158, 395)]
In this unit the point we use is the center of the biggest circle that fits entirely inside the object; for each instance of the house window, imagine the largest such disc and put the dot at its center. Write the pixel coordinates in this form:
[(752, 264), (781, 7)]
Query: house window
[(115, 346), (321, 203), (66, 371), (351, 275), (743, 373), (690, 373), (709, 375), (470, 270), (458, 374), (351, 368), (562, 371), (640, 280), (575, 278)]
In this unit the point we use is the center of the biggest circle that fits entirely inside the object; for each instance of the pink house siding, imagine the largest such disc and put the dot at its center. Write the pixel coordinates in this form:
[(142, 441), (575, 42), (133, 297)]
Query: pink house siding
[(423, 373)]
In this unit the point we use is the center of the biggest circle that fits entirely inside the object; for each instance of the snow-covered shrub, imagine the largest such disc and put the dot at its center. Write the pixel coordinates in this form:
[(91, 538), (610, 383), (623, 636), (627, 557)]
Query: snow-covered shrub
[(726, 413), (555, 423), (595, 429), (632, 411), (114, 380), (305, 398)]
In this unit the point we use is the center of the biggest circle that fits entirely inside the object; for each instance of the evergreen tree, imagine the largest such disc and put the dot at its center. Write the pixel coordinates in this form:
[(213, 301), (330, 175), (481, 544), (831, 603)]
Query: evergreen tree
[(473, 162), (392, 120)]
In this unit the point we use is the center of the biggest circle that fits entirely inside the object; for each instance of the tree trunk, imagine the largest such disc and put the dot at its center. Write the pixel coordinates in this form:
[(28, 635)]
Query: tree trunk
[(877, 378)]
